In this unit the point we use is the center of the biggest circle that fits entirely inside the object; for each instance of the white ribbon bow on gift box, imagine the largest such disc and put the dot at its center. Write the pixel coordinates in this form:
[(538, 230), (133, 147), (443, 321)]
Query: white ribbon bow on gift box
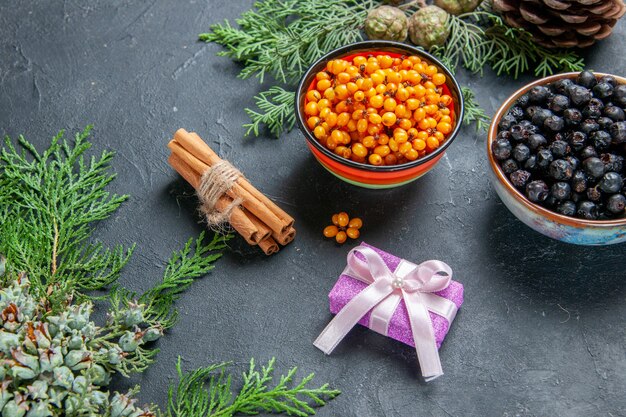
[(415, 284)]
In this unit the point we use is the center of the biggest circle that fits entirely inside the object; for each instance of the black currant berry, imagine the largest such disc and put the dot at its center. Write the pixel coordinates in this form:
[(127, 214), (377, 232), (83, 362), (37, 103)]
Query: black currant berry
[(601, 139), (538, 94), (554, 123), (586, 79), (519, 178), (577, 140), (579, 181), (616, 203), (501, 149), (614, 113), (587, 210), (603, 90), (559, 148), (521, 152), (544, 157), (560, 170), (611, 183), (561, 190), (537, 191), (567, 208), (618, 132), (536, 141), (578, 95), (593, 167)]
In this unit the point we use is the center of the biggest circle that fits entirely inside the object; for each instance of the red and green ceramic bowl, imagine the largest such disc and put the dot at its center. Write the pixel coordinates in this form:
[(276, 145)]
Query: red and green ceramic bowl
[(365, 175)]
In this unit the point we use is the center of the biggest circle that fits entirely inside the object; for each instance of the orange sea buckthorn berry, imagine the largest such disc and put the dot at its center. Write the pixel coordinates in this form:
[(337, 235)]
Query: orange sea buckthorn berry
[(420, 91), (376, 101), (341, 237), (393, 145), (323, 104), (390, 104), (382, 150), (352, 87), (369, 141), (322, 75), (375, 159), (313, 95), (423, 124), (378, 77), (323, 84), (343, 219), (383, 139), (411, 154), (419, 144), (311, 109), (432, 142), (394, 77), (430, 70), (341, 92), (440, 136), (353, 233), (391, 159), (343, 151), (335, 219), (355, 223), (439, 79), (400, 135), (312, 122), (331, 231), (359, 95), (331, 119), (371, 67), (359, 150), (370, 93), (359, 60), (412, 104), (444, 127), (361, 126), (389, 119), (385, 61), (329, 93), (381, 88), (405, 147), (343, 119), (402, 94), (319, 132), (374, 118), (343, 77), (351, 126), (400, 110)]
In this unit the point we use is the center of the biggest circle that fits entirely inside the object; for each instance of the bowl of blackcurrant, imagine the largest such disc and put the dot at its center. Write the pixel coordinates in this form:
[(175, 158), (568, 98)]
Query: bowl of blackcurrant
[(557, 150)]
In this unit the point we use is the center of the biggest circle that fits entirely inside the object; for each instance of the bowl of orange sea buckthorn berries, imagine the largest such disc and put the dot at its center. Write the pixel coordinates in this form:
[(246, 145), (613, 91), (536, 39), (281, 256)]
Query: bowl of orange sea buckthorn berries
[(378, 114)]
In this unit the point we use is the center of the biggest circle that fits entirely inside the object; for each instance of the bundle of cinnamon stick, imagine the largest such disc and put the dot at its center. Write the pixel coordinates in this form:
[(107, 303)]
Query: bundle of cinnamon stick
[(257, 219)]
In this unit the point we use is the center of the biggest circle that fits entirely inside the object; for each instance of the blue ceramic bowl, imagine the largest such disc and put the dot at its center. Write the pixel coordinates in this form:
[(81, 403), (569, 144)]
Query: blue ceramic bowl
[(547, 222)]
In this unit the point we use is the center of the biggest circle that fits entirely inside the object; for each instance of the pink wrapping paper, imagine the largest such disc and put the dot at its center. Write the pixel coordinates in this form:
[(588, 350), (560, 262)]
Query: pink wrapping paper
[(399, 329)]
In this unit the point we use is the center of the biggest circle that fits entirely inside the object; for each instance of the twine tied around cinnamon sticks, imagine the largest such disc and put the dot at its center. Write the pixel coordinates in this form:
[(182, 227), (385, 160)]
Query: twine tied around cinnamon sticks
[(214, 183), (226, 195)]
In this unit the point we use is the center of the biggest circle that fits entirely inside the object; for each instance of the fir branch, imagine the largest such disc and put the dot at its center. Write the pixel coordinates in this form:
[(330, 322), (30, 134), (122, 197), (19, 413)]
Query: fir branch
[(206, 392), (277, 112), (473, 111)]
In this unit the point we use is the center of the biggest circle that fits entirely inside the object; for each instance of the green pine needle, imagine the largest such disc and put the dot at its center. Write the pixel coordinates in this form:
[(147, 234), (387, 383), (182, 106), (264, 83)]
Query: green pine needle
[(206, 392), (473, 112)]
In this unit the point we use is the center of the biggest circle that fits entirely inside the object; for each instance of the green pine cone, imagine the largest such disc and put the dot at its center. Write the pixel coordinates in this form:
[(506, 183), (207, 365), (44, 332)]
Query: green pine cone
[(428, 27), (386, 23), (457, 7), (48, 362)]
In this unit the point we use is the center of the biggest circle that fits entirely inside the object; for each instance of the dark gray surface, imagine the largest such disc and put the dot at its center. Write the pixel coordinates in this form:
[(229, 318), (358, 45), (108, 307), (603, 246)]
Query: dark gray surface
[(542, 330)]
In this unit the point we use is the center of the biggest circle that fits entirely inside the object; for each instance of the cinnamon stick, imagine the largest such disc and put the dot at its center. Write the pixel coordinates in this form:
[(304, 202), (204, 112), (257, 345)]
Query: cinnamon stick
[(269, 246), (238, 219), (250, 202), (285, 237)]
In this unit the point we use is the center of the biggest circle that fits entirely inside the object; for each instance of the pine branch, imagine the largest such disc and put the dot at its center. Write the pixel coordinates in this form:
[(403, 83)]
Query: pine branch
[(48, 202), (277, 112), (205, 392), (473, 111)]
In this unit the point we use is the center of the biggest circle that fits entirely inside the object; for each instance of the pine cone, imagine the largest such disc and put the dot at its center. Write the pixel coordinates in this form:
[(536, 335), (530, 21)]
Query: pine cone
[(386, 22), (562, 23)]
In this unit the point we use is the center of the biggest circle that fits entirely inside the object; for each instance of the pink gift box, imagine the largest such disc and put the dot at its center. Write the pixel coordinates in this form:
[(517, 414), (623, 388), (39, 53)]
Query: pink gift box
[(399, 328)]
